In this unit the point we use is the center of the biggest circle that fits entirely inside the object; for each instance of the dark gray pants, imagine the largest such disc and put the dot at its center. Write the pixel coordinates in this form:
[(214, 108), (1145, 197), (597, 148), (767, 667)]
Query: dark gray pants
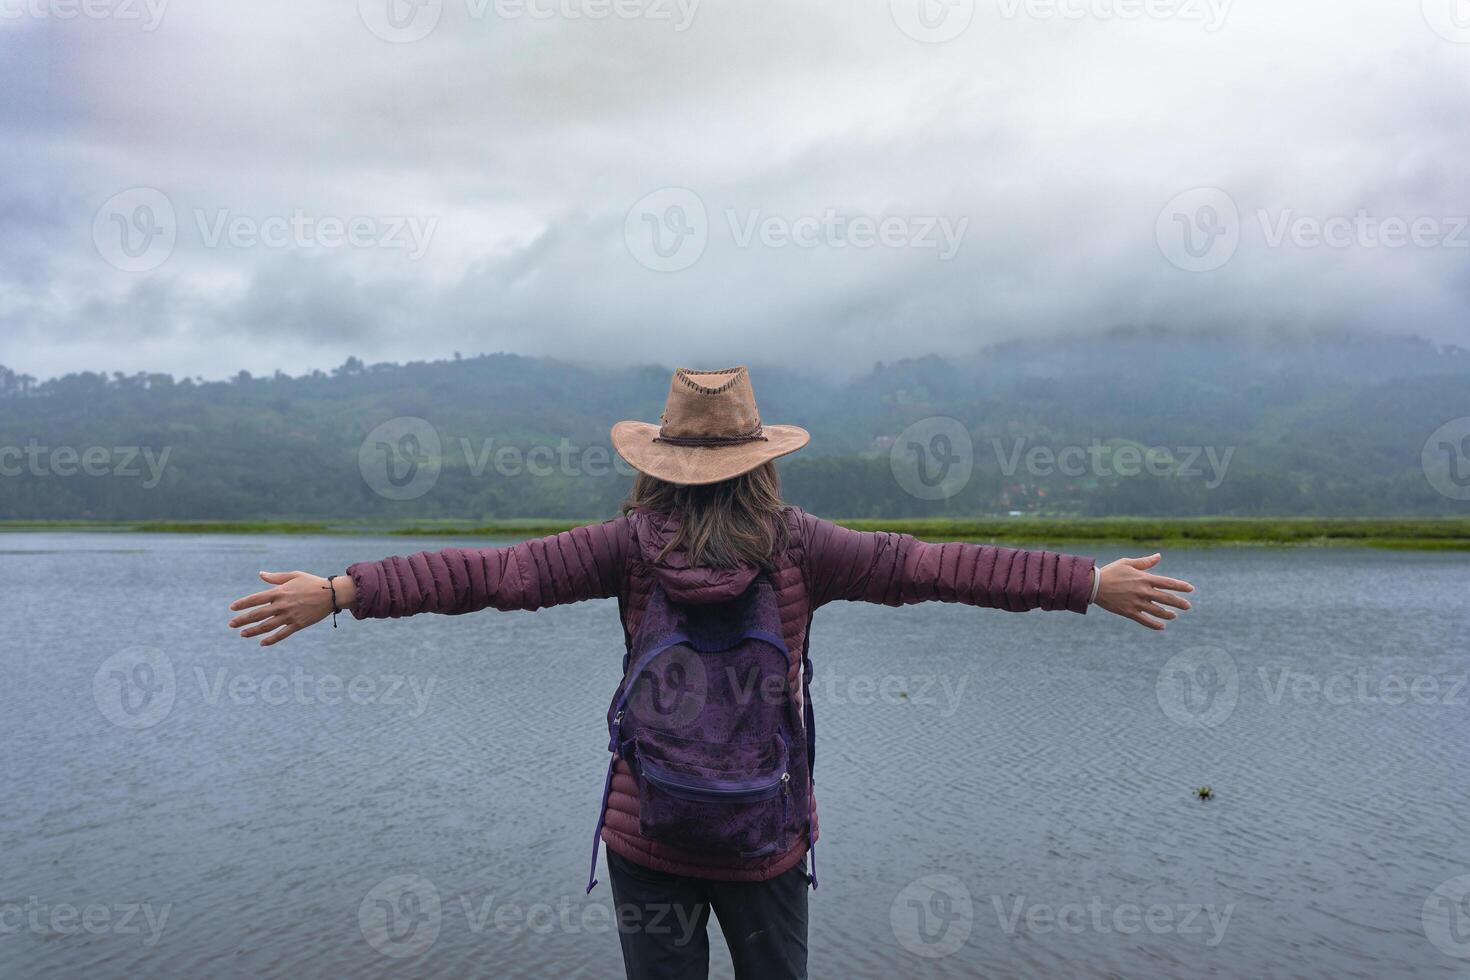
[(663, 923)]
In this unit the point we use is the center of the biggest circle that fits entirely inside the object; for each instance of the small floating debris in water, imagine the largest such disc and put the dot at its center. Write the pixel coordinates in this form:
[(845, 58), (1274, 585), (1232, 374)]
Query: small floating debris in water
[(1205, 793)]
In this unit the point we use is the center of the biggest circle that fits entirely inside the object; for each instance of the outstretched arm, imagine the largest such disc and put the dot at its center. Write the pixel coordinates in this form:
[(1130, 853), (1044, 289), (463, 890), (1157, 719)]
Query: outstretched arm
[(897, 569), (583, 563)]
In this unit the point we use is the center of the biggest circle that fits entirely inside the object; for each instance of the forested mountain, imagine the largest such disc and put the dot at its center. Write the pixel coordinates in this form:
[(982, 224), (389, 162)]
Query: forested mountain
[(1331, 425)]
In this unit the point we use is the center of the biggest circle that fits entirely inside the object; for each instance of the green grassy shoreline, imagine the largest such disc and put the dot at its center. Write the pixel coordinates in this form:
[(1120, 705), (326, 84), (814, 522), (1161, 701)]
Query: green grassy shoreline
[(1448, 534)]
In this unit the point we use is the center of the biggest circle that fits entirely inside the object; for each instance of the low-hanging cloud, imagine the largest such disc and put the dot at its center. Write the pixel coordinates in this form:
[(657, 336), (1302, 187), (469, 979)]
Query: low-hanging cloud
[(651, 180)]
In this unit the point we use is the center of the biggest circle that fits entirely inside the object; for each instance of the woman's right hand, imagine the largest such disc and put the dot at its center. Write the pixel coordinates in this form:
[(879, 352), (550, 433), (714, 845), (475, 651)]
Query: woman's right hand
[(1127, 588), (298, 600)]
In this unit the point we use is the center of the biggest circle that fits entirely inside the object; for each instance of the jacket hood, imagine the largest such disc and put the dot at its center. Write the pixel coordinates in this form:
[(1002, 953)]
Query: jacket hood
[(680, 582)]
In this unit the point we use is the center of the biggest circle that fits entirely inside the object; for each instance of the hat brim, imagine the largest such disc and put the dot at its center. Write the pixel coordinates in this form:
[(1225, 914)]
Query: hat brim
[(696, 465)]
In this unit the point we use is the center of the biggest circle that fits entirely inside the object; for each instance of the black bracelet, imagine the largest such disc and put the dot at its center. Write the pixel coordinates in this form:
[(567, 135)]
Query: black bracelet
[(335, 608)]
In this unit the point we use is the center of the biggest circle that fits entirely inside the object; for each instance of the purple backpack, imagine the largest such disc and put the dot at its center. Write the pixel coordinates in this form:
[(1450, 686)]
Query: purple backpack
[(705, 720)]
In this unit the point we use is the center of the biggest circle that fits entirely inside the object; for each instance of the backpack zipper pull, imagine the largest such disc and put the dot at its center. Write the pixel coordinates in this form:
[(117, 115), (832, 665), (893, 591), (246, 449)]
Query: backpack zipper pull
[(785, 800)]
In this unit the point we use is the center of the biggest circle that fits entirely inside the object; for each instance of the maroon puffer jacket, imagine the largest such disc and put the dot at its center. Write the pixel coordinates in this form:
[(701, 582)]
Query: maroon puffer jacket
[(618, 558)]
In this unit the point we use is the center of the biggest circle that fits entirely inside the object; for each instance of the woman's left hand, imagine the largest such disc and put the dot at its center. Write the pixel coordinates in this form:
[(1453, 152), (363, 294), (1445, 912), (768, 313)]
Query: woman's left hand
[(1127, 588)]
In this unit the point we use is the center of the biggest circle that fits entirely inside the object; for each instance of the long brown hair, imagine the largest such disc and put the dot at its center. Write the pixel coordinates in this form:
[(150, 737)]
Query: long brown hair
[(739, 521)]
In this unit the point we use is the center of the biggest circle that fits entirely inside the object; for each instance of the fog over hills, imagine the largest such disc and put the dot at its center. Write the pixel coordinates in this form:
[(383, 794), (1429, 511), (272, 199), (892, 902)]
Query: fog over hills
[(1140, 422)]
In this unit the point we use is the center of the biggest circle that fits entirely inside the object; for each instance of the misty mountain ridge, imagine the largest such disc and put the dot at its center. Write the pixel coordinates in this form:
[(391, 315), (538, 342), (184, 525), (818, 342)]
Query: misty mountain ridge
[(1332, 424)]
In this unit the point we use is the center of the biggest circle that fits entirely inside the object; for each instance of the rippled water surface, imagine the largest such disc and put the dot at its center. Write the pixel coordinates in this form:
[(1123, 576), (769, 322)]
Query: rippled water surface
[(1001, 795)]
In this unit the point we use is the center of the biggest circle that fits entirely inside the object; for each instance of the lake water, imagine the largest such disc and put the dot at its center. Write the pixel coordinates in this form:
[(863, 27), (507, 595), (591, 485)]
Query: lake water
[(1002, 795)]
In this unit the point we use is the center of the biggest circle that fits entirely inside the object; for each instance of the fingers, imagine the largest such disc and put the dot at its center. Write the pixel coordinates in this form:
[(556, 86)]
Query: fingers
[(1170, 599), (1148, 562), (267, 615), (1177, 584), (256, 599), (265, 627), (251, 617), (1143, 620), (277, 637), (1159, 612)]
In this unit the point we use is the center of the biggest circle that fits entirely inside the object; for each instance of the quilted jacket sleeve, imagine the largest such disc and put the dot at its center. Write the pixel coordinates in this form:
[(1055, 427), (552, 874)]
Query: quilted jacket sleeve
[(898, 569), (583, 563)]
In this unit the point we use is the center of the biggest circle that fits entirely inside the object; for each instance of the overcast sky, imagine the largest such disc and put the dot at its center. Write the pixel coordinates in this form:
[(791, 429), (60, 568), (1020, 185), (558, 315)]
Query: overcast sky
[(199, 186)]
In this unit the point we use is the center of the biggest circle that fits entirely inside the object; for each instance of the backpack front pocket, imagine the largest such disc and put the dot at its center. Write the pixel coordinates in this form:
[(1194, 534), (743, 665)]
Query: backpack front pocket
[(726, 797)]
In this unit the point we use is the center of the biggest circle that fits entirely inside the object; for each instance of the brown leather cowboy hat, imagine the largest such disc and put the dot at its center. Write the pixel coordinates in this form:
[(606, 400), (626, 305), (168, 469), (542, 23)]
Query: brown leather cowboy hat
[(710, 431)]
